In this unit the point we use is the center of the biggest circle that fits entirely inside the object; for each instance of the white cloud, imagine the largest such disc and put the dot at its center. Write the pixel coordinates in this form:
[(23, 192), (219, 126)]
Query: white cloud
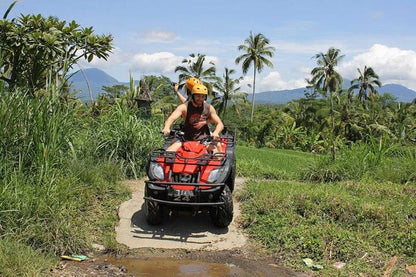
[(309, 49), (160, 62), (116, 57), (208, 59), (305, 70), (116, 65), (393, 65), (159, 35), (271, 82)]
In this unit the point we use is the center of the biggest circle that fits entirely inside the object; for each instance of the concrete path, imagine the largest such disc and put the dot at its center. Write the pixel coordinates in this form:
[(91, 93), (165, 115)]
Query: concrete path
[(180, 230)]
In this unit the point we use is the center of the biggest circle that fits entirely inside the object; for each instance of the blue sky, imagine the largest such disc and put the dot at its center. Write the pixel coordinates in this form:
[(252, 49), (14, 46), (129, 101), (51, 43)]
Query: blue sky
[(152, 37)]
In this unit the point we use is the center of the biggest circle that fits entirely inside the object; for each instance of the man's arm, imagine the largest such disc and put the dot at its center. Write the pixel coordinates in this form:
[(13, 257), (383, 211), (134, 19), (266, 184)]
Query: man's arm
[(217, 121), (180, 110)]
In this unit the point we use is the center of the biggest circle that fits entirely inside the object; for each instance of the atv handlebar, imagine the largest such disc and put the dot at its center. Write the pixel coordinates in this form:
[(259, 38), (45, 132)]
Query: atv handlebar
[(209, 140), (181, 135), (174, 133)]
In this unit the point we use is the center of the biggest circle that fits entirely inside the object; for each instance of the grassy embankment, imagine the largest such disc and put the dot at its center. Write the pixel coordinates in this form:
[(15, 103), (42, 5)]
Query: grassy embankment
[(366, 219), (59, 171)]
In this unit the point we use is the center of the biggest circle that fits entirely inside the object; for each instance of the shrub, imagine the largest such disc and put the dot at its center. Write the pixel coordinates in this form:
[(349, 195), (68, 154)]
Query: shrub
[(121, 137)]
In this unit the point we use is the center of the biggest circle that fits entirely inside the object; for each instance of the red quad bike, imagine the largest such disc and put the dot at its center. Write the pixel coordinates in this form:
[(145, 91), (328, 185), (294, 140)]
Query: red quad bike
[(191, 178)]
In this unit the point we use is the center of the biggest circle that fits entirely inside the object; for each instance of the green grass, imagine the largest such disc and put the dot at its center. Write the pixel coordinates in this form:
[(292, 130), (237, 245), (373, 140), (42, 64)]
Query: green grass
[(362, 223), (332, 222), (64, 215), (272, 163), (18, 259), (60, 169), (394, 163)]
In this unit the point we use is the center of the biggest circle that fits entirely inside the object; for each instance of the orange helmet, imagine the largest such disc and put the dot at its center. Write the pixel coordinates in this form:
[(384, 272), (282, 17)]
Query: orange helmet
[(199, 89), (191, 82)]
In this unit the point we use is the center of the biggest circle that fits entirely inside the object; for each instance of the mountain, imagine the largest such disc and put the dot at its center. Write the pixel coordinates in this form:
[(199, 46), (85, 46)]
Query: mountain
[(96, 79), (278, 97), (401, 93)]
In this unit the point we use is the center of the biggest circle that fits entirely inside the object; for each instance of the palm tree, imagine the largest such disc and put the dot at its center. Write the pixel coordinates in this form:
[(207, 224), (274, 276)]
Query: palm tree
[(365, 83), (194, 67), (326, 79), (113, 94), (227, 90), (256, 48)]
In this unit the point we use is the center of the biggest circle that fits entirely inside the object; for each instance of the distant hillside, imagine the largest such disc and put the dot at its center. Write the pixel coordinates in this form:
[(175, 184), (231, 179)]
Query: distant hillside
[(278, 97), (96, 79), (401, 93)]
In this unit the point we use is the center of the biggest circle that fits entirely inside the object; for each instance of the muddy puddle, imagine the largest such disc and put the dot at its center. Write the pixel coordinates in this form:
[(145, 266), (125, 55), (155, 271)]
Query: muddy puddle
[(177, 267)]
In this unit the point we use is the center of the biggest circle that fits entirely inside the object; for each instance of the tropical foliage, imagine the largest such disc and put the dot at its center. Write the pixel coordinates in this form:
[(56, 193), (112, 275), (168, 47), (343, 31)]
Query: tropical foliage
[(326, 79), (365, 84), (194, 66), (34, 48), (256, 50), (227, 92)]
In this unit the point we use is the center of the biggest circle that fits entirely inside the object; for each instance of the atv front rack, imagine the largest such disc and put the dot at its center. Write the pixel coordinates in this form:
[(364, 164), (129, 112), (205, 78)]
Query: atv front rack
[(164, 187), (171, 157)]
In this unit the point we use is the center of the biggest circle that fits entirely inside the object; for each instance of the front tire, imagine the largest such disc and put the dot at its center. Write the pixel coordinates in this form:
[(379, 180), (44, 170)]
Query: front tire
[(154, 212), (222, 215)]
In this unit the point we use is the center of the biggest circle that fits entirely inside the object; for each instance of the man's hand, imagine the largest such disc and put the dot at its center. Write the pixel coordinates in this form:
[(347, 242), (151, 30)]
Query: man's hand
[(215, 136), (166, 132), (198, 125), (176, 87)]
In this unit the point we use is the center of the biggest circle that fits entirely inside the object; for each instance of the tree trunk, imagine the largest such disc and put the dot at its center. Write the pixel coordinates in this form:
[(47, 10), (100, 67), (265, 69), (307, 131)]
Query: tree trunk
[(254, 90), (225, 110), (333, 125)]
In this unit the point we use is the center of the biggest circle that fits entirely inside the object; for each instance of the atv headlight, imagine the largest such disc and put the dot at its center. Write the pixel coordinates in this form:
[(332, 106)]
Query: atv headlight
[(213, 175), (157, 171)]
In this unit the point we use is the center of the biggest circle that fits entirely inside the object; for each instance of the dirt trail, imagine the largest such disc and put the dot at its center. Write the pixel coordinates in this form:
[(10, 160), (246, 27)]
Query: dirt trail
[(178, 231)]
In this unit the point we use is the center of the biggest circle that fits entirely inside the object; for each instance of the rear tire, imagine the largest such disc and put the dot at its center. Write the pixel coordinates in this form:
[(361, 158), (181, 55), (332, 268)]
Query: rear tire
[(222, 215), (154, 212)]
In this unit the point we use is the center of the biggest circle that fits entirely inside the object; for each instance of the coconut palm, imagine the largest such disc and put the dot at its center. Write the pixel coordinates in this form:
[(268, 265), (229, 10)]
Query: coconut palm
[(227, 90), (257, 49), (365, 84), (195, 67), (327, 79)]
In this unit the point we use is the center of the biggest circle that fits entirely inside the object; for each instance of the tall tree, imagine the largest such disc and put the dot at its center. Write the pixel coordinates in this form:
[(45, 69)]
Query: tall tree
[(327, 79), (227, 89), (112, 94), (257, 49), (194, 66), (365, 84), (35, 48)]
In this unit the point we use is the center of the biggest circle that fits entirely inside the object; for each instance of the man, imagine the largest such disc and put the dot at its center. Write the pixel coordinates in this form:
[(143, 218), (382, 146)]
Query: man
[(196, 113)]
